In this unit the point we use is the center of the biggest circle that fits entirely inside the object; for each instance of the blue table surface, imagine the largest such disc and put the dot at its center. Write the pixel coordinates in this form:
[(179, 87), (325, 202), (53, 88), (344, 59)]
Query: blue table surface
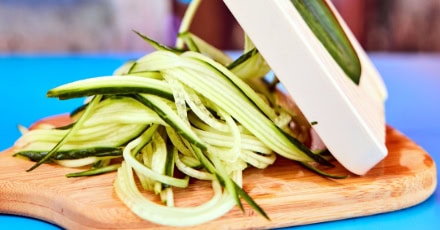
[(413, 107)]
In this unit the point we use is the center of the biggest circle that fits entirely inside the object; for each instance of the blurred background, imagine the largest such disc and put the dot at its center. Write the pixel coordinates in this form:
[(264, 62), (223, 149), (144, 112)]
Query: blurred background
[(30, 26)]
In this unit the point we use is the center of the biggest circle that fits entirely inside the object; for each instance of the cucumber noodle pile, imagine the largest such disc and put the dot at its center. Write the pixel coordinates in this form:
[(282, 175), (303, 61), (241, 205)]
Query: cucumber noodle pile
[(188, 108)]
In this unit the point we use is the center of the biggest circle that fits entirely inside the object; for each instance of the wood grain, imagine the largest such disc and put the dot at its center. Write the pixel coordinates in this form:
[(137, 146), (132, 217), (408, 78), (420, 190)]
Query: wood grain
[(288, 193)]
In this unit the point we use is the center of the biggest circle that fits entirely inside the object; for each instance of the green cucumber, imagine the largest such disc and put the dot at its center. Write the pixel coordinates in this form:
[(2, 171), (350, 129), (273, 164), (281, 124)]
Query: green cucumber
[(71, 154), (111, 85), (325, 26)]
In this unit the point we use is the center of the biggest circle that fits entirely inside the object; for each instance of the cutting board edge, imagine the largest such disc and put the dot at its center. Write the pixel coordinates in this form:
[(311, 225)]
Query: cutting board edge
[(57, 217)]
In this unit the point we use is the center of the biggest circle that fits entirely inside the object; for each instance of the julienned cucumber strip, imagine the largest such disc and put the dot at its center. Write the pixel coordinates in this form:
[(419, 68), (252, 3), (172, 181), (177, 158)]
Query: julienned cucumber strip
[(169, 116), (72, 154), (95, 171), (243, 58), (327, 29), (156, 44), (198, 45), (250, 65), (111, 85)]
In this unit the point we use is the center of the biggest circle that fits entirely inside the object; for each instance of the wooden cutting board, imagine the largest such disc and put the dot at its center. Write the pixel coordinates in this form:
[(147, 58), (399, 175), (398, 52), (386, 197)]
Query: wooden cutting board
[(288, 193)]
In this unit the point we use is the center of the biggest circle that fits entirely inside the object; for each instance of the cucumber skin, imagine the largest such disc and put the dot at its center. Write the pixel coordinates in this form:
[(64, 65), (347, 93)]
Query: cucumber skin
[(325, 26), (72, 154), (110, 85)]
